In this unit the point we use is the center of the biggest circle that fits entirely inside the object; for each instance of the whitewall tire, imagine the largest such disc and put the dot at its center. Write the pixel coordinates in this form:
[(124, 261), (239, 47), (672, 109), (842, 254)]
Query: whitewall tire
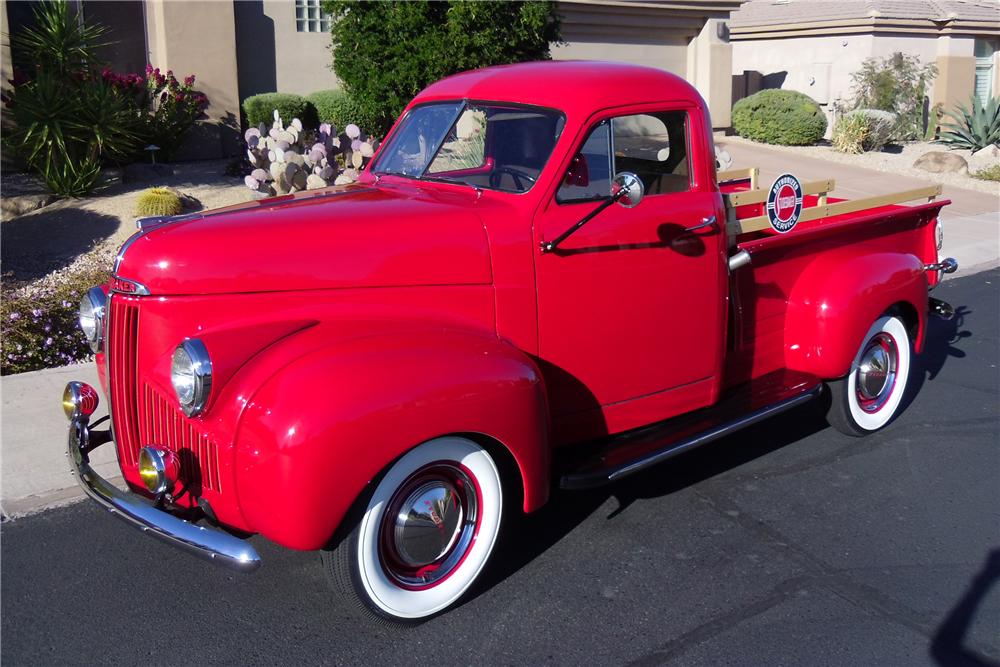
[(870, 396), (423, 535)]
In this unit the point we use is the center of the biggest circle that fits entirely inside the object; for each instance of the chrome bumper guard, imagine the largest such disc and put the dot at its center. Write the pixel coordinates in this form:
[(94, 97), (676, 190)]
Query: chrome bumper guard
[(209, 543)]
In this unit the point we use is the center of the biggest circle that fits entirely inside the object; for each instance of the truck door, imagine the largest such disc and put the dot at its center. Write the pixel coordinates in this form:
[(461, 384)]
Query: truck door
[(631, 307)]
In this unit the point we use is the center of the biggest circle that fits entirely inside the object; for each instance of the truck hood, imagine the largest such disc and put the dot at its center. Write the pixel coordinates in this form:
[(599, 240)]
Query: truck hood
[(343, 237)]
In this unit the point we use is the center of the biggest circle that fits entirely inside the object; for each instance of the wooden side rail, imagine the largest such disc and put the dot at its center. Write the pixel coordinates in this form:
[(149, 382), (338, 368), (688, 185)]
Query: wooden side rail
[(752, 173), (736, 227)]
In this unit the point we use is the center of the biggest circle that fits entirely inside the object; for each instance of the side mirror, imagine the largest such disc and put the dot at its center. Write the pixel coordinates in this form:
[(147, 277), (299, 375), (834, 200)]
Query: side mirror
[(627, 189)]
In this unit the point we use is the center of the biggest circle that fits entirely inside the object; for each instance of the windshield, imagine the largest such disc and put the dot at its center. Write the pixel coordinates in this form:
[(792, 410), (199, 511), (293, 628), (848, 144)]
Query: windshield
[(495, 146)]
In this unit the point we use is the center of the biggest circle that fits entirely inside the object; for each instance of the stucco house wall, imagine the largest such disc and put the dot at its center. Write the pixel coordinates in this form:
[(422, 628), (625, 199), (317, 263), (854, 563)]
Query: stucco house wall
[(274, 57), (815, 47)]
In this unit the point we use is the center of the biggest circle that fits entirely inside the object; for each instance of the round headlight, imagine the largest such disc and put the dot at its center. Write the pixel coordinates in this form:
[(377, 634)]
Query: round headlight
[(191, 375), (92, 316)]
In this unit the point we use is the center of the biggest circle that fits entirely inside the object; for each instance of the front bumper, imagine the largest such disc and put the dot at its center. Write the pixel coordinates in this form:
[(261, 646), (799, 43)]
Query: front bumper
[(209, 543)]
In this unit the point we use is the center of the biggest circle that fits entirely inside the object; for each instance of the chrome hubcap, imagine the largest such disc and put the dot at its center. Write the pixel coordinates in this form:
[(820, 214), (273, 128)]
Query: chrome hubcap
[(876, 374), (429, 525)]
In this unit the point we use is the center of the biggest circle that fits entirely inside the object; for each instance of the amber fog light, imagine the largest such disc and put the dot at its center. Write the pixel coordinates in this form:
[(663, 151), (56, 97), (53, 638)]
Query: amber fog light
[(79, 400), (158, 469)]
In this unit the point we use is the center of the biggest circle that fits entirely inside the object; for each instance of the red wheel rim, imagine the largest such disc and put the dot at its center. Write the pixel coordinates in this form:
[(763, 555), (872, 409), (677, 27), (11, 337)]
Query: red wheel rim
[(429, 526)]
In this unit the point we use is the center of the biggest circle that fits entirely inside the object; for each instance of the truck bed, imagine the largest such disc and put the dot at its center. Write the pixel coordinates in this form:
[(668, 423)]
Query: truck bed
[(762, 291)]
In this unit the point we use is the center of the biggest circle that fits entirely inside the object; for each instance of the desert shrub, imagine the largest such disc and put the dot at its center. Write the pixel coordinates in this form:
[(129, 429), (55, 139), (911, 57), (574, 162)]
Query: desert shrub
[(166, 107), (863, 130), (896, 83), (40, 330), (338, 108), (991, 173), (975, 127), (783, 117), (158, 201), (64, 120), (65, 131), (387, 52), (260, 109)]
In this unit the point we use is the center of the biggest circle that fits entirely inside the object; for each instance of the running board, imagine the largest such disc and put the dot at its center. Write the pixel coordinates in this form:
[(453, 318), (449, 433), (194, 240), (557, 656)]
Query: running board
[(622, 455)]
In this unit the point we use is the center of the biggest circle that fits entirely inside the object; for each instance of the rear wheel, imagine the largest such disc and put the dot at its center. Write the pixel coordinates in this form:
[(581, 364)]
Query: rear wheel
[(870, 396), (422, 537)]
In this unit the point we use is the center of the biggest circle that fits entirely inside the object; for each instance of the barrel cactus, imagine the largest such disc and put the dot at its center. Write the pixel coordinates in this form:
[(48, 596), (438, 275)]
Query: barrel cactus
[(292, 158), (158, 202)]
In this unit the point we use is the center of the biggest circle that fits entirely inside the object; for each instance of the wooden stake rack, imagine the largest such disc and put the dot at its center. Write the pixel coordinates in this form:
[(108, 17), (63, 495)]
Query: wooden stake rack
[(736, 226)]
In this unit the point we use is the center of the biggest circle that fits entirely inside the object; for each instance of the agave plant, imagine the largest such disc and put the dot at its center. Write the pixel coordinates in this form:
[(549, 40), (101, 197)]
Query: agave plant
[(976, 127)]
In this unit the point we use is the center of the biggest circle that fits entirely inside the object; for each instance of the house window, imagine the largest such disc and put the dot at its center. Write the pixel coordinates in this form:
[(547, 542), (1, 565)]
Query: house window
[(984, 69), (310, 18)]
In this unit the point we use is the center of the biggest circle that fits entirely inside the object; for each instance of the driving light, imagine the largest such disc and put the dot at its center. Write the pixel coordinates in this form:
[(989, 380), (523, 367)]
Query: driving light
[(79, 400), (92, 316), (191, 375), (159, 469)]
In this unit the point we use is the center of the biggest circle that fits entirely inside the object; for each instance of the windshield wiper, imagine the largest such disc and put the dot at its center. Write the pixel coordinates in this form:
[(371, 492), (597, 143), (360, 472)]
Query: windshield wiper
[(447, 179)]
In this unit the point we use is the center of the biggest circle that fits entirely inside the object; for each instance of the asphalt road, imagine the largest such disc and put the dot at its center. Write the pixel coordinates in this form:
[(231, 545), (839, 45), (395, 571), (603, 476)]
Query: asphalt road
[(788, 544)]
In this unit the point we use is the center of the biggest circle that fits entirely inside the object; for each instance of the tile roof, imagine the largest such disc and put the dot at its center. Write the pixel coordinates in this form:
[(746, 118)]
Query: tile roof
[(766, 12)]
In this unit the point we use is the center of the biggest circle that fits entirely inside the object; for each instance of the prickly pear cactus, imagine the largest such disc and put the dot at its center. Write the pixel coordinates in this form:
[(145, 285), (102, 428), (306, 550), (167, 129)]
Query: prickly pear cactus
[(292, 158)]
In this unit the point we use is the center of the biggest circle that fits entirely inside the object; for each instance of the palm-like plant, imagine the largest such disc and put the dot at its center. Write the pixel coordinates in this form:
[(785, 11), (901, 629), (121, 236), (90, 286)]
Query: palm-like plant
[(976, 127), (59, 43), (66, 137)]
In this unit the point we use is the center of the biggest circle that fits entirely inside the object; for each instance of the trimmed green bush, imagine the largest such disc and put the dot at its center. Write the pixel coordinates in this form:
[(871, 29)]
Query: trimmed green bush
[(338, 108), (783, 117), (260, 109)]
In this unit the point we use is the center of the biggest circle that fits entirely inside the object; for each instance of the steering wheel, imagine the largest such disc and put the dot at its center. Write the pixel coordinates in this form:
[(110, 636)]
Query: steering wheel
[(516, 174)]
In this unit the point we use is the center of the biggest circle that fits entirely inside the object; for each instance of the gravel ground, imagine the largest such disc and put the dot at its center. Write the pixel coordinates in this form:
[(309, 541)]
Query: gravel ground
[(898, 160), (69, 235)]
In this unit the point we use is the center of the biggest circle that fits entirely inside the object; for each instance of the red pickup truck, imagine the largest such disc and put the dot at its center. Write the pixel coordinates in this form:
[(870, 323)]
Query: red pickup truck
[(540, 279)]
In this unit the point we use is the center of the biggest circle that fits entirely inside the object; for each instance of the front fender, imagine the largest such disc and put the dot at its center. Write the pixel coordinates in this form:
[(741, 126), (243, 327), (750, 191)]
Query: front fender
[(318, 430), (836, 299)]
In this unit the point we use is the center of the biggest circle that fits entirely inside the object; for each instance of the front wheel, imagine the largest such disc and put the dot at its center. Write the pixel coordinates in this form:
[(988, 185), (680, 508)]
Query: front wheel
[(419, 541), (870, 396)]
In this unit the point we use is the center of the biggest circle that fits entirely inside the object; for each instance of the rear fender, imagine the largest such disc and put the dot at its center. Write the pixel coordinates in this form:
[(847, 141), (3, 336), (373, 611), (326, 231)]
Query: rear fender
[(322, 427), (836, 299)]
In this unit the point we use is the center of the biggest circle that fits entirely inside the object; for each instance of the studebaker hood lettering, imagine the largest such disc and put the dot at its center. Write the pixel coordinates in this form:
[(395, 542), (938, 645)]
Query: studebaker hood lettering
[(355, 237)]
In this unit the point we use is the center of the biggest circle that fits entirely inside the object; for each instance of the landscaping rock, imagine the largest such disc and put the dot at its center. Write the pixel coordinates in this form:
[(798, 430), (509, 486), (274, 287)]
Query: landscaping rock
[(21, 204), (141, 172), (940, 162)]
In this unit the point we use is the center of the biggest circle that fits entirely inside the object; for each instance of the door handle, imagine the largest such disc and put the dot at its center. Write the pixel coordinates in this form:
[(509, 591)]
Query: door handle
[(705, 222)]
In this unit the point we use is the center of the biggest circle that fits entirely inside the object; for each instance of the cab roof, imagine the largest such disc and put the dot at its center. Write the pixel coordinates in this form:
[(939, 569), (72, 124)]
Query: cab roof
[(573, 86)]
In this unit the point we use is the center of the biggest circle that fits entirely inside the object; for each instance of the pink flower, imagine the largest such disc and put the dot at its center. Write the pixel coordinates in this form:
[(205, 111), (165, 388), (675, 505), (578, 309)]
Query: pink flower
[(189, 80)]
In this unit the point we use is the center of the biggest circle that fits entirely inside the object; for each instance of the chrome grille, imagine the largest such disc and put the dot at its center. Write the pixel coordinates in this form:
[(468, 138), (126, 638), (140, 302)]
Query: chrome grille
[(123, 335), (147, 417), (165, 425)]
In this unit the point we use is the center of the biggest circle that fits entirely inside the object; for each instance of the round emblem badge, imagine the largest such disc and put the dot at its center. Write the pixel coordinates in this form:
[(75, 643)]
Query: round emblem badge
[(784, 203)]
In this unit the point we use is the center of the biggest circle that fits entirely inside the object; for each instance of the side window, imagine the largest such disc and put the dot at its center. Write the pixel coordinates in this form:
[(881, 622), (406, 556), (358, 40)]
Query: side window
[(654, 147), (589, 175)]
